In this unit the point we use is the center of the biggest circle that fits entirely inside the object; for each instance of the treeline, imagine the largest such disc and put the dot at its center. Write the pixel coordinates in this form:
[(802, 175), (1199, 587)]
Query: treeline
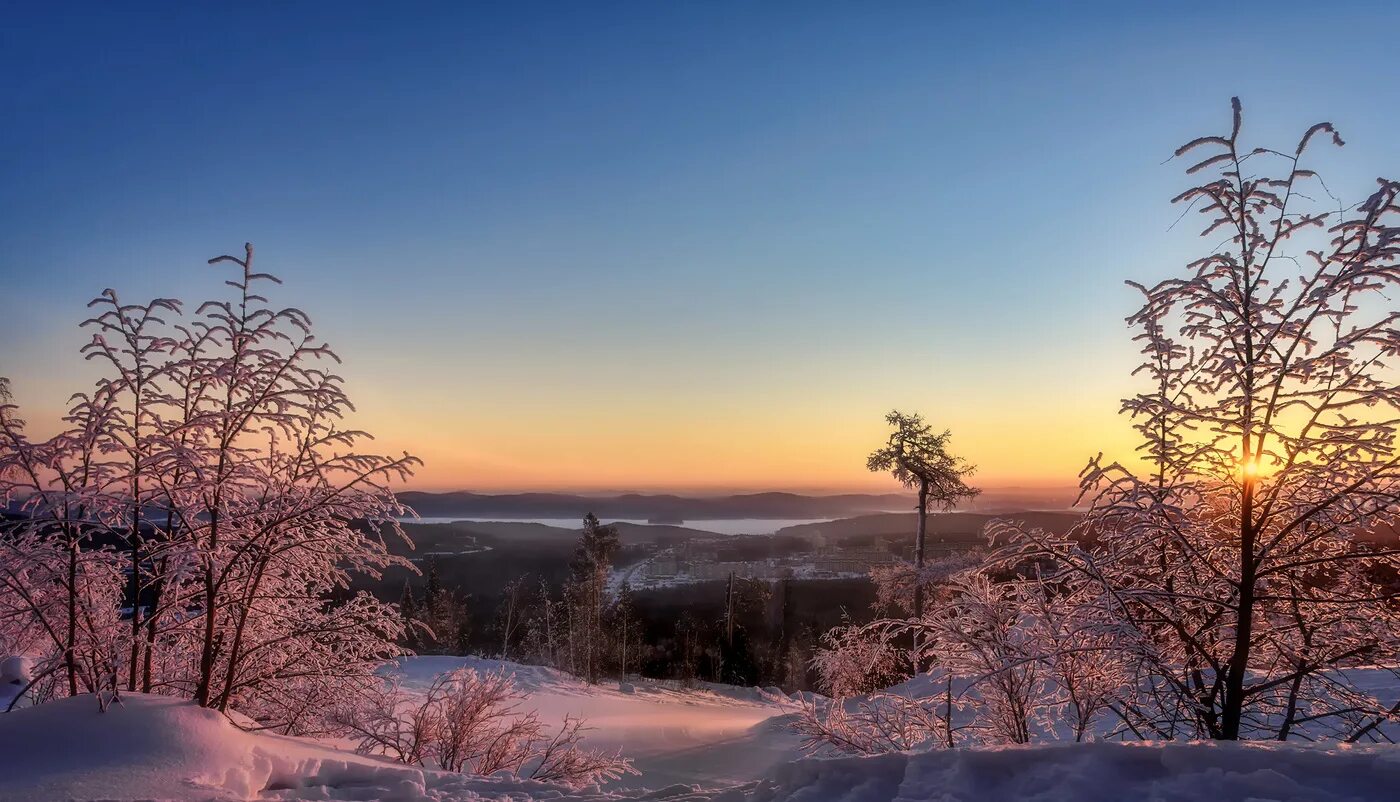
[(565, 614)]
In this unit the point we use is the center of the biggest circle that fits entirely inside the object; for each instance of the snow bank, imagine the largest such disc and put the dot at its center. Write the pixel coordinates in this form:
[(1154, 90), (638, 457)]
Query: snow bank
[(155, 747), (695, 745), (1098, 772)]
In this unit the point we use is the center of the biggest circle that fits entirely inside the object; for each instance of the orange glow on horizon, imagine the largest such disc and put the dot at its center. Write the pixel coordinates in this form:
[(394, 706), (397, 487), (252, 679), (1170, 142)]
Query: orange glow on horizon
[(736, 453)]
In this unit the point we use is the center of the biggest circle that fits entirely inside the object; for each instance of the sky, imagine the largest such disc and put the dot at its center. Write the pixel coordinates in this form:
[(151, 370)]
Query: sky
[(683, 246)]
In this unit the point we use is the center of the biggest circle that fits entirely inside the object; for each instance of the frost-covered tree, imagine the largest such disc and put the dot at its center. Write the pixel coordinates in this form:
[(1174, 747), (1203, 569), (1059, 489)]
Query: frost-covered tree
[(273, 488), (211, 455), (1008, 660), (588, 595), (510, 612), (60, 588), (1247, 559), (855, 659), (626, 629), (132, 342), (544, 630), (478, 723)]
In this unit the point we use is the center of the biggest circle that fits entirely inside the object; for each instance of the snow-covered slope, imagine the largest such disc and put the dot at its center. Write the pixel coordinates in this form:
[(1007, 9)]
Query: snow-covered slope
[(708, 744), (1099, 772), (686, 741), (157, 748), (708, 735)]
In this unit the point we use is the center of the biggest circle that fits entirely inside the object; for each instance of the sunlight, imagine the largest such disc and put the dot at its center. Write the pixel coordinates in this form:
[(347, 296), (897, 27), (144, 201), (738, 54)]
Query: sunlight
[(1255, 468)]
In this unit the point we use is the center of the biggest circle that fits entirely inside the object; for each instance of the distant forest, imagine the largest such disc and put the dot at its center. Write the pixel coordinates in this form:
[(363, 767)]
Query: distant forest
[(483, 588)]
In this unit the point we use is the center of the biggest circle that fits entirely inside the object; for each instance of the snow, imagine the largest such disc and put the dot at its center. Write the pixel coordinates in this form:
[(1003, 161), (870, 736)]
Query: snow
[(709, 734), (14, 676), (709, 743), (154, 747), (1098, 772), (163, 748)]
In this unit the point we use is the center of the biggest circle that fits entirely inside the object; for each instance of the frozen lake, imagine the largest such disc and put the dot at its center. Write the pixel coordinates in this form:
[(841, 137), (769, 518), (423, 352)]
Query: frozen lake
[(720, 526)]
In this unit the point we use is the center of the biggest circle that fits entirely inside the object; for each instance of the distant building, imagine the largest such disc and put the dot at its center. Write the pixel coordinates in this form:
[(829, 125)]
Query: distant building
[(953, 543), (851, 561), (663, 566)]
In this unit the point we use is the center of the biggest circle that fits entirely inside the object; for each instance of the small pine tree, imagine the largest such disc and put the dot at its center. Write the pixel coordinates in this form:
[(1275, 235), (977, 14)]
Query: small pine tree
[(919, 459), (589, 575), (408, 610), (433, 589)]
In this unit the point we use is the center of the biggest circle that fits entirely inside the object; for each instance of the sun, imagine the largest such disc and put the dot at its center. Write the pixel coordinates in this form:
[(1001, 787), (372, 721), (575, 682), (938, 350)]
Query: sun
[(1254, 468)]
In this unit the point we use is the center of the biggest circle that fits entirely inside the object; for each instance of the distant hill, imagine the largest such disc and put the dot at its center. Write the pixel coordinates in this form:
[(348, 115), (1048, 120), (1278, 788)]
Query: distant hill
[(661, 507), (529, 531), (951, 525), (667, 508)]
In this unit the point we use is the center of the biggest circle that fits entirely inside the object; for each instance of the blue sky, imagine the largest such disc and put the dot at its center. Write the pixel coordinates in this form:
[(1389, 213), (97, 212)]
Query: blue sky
[(690, 240)]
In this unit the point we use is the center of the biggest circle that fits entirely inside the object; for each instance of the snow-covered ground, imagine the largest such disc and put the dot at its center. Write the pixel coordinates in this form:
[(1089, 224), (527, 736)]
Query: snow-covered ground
[(704, 744), (709, 735), (1098, 772)]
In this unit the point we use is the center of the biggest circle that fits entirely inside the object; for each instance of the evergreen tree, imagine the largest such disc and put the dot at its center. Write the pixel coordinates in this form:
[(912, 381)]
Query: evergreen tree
[(919, 459), (408, 610), (433, 588), (589, 570)]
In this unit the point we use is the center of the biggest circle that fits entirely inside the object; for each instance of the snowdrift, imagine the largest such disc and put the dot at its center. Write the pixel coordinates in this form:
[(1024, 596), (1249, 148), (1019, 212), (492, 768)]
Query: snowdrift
[(693, 745), (156, 747), (1098, 772)]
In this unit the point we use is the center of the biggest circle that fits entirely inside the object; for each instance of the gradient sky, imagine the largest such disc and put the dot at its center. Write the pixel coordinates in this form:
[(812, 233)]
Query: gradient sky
[(661, 245)]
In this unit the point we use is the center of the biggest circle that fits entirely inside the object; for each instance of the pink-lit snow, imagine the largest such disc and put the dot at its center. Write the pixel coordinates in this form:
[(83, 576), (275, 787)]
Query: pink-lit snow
[(710, 744)]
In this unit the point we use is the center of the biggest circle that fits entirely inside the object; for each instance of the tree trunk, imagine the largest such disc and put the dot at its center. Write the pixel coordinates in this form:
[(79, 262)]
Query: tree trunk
[(505, 634), (134, 586), (729, 612), (919, 541), (919, 549), (206, 653), (948, 710), (1232, 709), (70, 662)]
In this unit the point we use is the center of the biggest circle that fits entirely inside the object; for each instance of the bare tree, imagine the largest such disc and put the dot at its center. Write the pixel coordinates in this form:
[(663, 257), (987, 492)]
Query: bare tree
[(510, 613)]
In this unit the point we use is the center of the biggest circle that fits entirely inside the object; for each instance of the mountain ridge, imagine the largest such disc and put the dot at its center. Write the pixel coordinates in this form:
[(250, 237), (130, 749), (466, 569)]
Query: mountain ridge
[(669, 507), (672, 508)]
